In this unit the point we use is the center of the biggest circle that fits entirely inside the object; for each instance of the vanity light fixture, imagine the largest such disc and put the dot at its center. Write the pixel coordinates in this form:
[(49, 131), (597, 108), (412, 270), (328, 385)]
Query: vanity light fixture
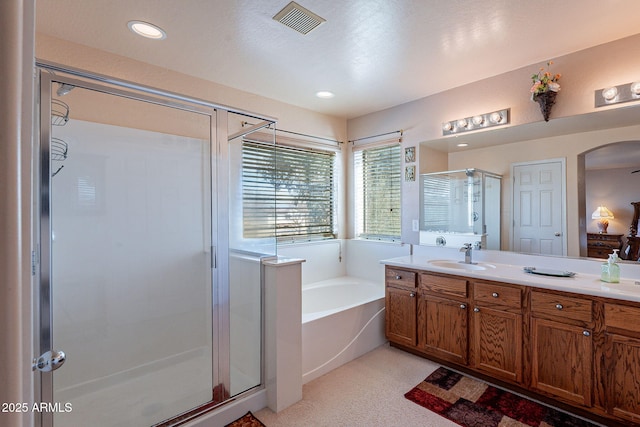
[(617, 94), (477, 122), (147, 30)]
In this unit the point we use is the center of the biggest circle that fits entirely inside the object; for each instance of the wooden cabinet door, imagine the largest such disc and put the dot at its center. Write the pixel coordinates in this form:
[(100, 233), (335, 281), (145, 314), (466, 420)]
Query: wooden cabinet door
[(562, 360), (400, 324), (497, 343), (443, 328), (623, 391)]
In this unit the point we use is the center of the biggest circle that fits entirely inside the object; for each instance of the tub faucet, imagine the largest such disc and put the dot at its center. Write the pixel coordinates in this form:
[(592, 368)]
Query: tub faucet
[(467, 252)]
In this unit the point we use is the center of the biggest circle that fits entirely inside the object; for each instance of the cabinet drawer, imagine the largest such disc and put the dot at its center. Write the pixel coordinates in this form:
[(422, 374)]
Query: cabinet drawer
[(560, 306), (622, 317), (497, 294), (402, 278), (450, 286)]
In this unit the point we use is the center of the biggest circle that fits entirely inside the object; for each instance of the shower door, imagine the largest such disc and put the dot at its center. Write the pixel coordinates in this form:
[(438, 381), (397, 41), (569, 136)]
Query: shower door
[(128, 284)]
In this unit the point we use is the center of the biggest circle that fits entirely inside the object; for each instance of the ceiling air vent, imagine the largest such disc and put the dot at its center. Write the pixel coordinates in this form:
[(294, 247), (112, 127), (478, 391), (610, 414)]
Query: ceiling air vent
[(297, 17)]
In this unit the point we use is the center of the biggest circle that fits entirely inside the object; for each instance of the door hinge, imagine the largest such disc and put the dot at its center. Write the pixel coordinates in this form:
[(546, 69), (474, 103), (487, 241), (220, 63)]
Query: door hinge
[(34, 262), (213, 257)]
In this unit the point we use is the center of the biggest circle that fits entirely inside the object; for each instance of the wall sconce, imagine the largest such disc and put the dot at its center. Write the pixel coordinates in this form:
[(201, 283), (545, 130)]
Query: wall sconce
[(617, 94), (603, 215), (477, 122)]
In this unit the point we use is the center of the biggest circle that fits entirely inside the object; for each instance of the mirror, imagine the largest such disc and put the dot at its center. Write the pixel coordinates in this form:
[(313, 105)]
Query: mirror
[(590, 143)]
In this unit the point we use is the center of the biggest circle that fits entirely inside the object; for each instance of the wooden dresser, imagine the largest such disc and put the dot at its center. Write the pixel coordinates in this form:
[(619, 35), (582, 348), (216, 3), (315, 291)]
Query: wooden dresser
[(601, 245)]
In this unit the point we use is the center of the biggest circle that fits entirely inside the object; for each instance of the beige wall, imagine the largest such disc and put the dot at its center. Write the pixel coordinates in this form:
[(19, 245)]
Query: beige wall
[(582, 73), (289, 117)]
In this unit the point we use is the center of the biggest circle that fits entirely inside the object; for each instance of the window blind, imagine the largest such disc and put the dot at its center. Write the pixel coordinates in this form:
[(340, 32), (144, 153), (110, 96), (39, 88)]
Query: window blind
[(436, 197), (377, 175), (289, 190)]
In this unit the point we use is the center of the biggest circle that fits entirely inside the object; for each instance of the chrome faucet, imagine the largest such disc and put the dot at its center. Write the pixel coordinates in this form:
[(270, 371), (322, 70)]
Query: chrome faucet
[(467, 252)]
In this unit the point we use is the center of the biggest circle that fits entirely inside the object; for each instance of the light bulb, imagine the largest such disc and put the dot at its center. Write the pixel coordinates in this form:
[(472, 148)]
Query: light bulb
[(635, 88), (495, 117), (610, 93), (147, 30), (477, 120), (447, 126), (461, 123)]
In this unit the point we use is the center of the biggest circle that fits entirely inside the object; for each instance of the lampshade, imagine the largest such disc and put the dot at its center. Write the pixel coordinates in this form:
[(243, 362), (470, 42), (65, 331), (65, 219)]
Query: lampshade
[(603, 215)]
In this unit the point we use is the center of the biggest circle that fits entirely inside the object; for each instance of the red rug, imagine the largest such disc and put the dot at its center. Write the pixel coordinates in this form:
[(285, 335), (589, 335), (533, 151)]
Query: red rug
[(248, 420), (472, 403)]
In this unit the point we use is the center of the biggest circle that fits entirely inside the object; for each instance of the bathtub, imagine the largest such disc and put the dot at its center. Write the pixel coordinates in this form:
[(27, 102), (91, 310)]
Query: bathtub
[(342, 319)]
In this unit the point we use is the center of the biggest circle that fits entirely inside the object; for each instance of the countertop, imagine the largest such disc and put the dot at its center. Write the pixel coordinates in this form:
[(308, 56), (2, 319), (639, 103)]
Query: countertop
[(581, 283)]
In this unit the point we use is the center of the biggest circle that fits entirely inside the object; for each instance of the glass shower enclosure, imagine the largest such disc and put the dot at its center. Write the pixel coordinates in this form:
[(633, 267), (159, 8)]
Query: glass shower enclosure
[(150, 313), (460, 206)]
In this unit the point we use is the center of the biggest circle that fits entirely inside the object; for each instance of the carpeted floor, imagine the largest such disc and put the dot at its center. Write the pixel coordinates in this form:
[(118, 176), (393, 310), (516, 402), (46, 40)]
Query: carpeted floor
[(473, 403), (366, 392)]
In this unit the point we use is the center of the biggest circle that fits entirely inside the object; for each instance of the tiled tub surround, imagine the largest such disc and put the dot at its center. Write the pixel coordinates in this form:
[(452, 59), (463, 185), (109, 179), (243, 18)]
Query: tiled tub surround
[(571, 341)]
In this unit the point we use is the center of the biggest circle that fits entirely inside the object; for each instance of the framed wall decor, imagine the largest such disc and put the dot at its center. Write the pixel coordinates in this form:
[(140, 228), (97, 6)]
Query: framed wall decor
[(410, 173), (410, 154)]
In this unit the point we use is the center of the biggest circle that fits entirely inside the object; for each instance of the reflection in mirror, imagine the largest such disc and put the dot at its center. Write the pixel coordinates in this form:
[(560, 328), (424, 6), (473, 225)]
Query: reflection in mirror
[(460, 207), (611, 181), (569, 138)]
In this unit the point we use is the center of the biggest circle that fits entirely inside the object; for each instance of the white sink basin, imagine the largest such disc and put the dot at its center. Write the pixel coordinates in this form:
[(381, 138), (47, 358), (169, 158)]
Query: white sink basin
[(460, 265)]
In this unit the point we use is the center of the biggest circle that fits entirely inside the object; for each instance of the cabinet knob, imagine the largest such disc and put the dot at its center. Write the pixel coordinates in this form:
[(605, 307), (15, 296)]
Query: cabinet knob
[(495, 295), (559, 306), (398, 277), (586, 333), (463, 306), (412, 294), (476, 310)]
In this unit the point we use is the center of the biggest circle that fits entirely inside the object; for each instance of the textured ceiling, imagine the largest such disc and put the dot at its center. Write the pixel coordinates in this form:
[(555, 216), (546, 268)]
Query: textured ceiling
[(373, 54)]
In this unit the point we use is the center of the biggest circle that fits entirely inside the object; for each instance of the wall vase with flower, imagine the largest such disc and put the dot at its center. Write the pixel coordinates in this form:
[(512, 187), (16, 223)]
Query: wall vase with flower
[(545, 89)]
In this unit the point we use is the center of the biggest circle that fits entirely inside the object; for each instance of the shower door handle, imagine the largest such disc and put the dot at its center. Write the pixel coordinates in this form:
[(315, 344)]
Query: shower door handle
[(49, 361)]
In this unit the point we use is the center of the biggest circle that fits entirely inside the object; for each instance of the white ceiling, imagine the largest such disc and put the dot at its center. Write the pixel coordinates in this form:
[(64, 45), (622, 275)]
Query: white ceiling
[(373, 54)]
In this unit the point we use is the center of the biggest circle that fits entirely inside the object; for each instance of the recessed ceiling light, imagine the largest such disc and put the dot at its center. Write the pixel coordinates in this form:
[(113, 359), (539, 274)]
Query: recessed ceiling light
[(325, 94), (462, 144), (147, 30)]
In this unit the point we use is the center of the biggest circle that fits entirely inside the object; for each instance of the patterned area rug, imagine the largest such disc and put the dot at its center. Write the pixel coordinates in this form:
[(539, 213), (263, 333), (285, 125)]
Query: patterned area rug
[(471, 403), (248, 420)]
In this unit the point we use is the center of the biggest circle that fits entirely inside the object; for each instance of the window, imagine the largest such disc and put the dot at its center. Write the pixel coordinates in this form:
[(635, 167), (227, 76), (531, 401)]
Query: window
[(377, 174), (303, 183)]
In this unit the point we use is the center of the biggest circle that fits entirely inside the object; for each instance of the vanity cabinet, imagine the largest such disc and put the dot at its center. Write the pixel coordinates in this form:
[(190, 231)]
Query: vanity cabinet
[(578, 350), (401, 306), (497, 330), (622, 353), (443, 317), (562, 346)]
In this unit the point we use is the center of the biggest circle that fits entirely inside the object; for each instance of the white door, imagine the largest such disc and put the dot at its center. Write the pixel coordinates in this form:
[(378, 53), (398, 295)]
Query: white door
[(539, 207)]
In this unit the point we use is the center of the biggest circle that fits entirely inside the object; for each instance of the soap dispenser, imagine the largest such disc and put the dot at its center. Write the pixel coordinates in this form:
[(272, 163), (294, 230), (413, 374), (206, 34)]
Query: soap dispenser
[(610, 271)]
